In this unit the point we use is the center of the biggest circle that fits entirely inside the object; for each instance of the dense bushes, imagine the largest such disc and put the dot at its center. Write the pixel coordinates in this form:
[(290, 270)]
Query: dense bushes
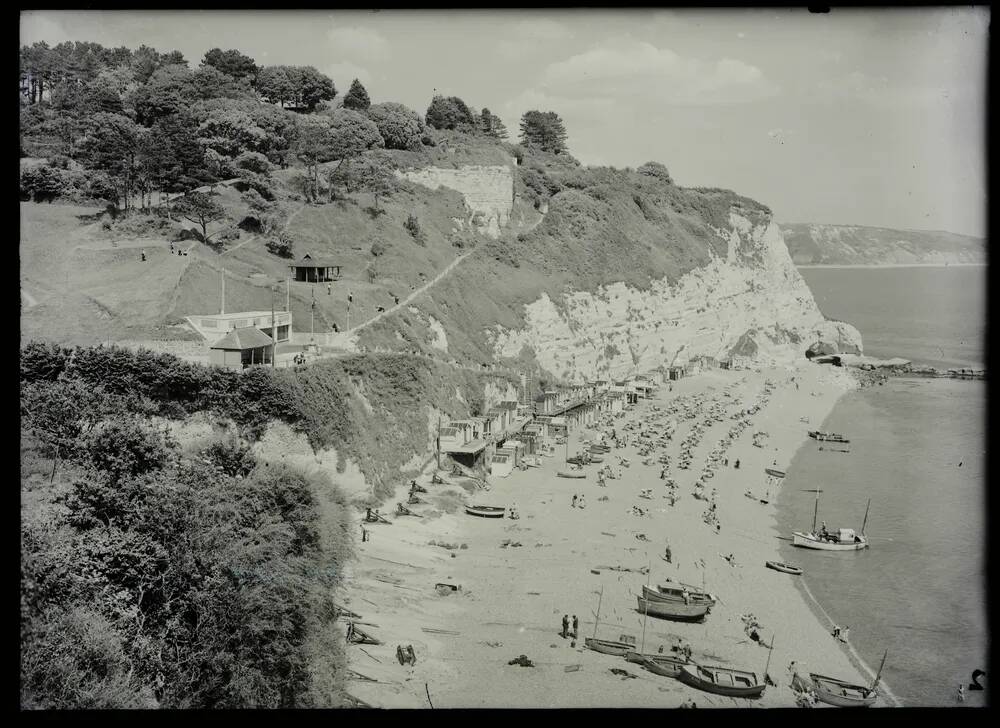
[(161, 581)]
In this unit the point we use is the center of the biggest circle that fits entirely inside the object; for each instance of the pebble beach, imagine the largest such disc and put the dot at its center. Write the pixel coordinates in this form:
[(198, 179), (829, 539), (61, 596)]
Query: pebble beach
[(515, 579)]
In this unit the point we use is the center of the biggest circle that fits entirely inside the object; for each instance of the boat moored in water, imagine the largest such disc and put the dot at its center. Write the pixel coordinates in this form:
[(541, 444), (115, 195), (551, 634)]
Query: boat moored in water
[(840, 539)]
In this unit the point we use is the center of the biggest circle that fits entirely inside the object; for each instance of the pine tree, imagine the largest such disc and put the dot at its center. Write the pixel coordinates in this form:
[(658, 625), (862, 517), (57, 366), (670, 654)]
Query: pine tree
[(492, 126), (545, 130), (357, 97)]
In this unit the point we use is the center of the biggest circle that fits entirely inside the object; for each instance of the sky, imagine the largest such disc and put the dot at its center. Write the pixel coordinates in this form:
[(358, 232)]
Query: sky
[(857, 117)]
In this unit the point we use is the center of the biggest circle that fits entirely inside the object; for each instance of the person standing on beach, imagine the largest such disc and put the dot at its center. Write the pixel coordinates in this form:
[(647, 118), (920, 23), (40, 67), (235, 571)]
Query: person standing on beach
[(961, 693), (581, 503), (565, 625), (574, 500), (843, 635), (576, 626)]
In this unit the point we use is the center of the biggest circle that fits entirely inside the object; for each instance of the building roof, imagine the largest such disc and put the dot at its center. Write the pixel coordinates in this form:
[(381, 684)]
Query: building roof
[(243, 338), (308, 261)]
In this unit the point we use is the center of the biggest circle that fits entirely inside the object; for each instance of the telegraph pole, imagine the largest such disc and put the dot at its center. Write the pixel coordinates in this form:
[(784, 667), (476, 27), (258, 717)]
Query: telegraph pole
[(274, 330)]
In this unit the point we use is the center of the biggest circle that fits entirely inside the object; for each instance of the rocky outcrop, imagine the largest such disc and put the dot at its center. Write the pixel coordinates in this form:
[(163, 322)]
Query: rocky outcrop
[(753, 297), (488, 191)]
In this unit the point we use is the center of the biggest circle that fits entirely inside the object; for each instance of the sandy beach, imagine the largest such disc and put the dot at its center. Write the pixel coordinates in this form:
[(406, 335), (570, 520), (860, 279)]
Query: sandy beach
[(511, 599)]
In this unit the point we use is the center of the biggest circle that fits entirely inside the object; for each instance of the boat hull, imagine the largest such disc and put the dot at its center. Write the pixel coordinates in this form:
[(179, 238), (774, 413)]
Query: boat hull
[(486, 511), (784, 568), (655, 595), (807, 541), (679, 612), (774, 472), (576, 476), (842, 694), (663, 665), (699, 677), (608, 647)]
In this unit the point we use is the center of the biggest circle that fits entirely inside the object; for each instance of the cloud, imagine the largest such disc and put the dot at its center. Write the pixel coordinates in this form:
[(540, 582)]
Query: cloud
[(626, 68), (344, 72), (530, 36), (880, 91), (359, 43), (37, 26)]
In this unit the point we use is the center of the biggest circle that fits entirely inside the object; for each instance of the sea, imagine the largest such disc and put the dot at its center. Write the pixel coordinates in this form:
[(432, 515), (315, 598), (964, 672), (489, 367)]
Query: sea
[(917, 452)]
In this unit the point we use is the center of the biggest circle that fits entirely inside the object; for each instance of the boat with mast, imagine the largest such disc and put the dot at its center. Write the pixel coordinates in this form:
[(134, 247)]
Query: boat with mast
[(843, 694), (618, 648), (726, 680), (841, 539)]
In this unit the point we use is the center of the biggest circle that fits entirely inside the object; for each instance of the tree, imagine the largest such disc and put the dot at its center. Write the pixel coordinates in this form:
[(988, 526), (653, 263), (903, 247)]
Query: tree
[(311, 86), (112, 145), (174, 156), (231, 62), (209, 82), (357, 97), (400, 127), (375, 173), (314, 145), (275, 85), (450, 113), (281, 245), (492, 125), (200, 209), (168, 91), (52, 412), (351, 134), (657, 170), (544, 130)]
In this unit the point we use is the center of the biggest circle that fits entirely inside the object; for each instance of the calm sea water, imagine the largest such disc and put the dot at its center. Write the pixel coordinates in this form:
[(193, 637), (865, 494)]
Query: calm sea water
[(918, 451), (929, 315)]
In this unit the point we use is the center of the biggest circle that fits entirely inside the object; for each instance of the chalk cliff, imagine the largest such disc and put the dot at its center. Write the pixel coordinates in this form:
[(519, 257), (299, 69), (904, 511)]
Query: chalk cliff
[(488, 191), (752, 294), (626, 273)]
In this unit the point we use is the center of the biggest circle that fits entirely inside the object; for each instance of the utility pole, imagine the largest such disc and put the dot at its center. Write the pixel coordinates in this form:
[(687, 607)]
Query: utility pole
[(222, 306), (312, 313), (274, 330), (288, 293)]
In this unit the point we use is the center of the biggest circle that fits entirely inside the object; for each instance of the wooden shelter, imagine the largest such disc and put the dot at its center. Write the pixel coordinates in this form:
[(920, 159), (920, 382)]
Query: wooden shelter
[(315, 270)]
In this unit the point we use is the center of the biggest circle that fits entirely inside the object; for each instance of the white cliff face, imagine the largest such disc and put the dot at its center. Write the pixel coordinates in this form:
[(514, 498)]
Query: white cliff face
[(488, 191), (619, 330)]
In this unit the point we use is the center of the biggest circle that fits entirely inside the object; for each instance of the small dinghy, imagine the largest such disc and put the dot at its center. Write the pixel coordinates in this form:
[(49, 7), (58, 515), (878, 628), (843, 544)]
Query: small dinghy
[(775, 472), (785, 568), (486, 511), (722, 681), (608, 647), (565, 474), (665, 665)]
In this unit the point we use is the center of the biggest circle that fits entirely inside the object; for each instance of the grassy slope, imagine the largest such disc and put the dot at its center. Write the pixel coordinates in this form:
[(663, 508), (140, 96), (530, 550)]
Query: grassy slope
[(604, 226)]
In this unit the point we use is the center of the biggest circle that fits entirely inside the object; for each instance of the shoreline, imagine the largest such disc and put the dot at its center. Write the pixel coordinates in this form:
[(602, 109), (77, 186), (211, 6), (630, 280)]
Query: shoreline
[(514, 596), (891, 265), (820, 613)]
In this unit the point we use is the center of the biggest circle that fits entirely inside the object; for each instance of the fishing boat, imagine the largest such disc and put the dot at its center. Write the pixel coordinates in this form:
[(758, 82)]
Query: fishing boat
[(841, 539), (565, 474), (608, 647), (674, 592), (785, 568), (827, 436), (843, 694), (775, 472), (722, 680), (486, 511), (665, 665), (600, 449), (618, 647), (677, 611)]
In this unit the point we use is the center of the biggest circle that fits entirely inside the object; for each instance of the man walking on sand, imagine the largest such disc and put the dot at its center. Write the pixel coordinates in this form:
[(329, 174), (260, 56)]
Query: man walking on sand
[(576, 626), (565, 625)]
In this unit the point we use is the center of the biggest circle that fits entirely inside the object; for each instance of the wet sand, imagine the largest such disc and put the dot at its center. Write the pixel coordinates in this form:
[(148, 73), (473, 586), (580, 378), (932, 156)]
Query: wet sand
[(512, 599)]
